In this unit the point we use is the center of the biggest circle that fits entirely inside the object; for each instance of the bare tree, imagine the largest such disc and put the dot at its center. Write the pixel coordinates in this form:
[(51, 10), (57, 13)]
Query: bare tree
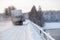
[(8, 10)]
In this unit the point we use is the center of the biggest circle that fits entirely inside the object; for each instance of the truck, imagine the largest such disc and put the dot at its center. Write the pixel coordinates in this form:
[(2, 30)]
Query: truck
[(17, 17)]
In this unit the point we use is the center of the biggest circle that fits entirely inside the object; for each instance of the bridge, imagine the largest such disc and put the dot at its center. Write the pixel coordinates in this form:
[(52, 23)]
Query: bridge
[(27, 31)]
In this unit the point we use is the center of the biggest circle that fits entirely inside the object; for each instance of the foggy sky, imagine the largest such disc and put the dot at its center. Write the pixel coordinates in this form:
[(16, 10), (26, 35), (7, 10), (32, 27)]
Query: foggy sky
[(26, 5)]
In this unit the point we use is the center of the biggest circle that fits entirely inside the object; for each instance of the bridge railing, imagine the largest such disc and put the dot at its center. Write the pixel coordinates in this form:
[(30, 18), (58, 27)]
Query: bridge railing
[(41, 32)]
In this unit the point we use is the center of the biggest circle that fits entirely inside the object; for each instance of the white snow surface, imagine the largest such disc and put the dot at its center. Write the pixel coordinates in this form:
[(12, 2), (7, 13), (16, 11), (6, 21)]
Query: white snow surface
[(52, 25), (8, 31)]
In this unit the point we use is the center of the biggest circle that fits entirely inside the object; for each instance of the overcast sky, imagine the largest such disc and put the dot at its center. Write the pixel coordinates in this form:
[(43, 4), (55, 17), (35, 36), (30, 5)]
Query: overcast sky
[(26, 5)]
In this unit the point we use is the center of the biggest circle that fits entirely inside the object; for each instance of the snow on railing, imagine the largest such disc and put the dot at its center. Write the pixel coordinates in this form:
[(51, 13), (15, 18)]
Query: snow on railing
[(41, 32)]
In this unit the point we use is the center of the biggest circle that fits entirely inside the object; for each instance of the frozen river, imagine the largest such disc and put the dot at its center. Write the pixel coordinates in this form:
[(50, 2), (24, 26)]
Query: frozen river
[(54, 29)]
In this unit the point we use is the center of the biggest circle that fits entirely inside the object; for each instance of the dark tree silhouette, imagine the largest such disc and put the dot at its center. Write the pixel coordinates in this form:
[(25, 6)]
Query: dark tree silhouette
[(8, 10), (41, 18), (32, 14), (36, 16)]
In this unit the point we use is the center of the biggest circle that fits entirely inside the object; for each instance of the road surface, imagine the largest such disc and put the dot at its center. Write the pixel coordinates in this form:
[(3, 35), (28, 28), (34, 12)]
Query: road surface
[(8, 31)]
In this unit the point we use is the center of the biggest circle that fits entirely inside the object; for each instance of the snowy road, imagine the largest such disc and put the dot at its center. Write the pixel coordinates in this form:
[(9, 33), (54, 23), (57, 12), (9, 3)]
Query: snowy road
[(8, 31)]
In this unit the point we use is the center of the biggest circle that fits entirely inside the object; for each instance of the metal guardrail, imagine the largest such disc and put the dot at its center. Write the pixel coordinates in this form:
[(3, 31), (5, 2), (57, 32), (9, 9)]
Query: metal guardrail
[(41, 32)]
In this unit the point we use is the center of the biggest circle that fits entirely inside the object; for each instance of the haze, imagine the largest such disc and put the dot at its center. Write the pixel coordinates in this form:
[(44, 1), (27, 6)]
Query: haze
[(26, 5)]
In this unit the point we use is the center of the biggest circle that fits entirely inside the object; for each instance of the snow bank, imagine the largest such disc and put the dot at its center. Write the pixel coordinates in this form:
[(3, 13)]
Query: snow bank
[(52, 25)]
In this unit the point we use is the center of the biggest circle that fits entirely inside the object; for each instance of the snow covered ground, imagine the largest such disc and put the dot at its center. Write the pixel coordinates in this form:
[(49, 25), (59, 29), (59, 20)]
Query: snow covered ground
[(53, 29), (52, 25), (8, 31)]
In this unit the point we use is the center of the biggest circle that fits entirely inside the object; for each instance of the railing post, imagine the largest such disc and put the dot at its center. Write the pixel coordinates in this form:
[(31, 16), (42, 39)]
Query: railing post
[(47, 37)]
